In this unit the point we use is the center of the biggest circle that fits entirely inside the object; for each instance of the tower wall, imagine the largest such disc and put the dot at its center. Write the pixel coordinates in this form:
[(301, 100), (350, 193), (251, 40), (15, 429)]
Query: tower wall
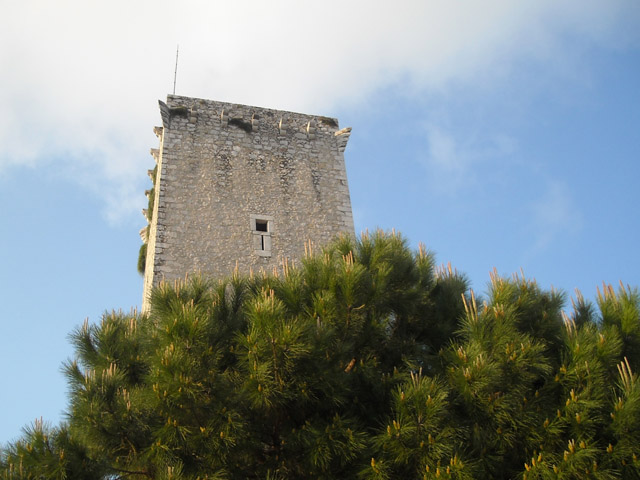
[(241, 185)]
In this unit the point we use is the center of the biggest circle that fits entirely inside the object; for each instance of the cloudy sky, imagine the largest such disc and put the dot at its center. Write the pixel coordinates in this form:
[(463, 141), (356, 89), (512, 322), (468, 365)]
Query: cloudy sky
[(501, 134)]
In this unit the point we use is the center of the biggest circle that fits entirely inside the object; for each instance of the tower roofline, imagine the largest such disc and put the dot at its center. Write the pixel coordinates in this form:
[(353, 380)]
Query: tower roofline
[(174, 101)]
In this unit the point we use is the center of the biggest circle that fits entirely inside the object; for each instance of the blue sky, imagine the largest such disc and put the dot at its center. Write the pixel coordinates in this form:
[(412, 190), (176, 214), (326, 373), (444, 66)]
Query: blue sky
[(501, 134)]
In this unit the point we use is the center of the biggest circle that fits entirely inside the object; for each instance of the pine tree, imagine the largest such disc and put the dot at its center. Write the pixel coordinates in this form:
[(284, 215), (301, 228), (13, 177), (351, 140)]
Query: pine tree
[(364, 361)]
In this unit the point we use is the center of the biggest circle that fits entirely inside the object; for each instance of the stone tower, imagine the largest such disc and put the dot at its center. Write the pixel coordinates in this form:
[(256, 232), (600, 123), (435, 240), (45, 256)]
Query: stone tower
[(241, 185)]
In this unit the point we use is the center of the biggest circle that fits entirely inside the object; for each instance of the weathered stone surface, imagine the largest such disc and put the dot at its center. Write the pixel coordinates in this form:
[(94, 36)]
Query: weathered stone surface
[(248, 186)]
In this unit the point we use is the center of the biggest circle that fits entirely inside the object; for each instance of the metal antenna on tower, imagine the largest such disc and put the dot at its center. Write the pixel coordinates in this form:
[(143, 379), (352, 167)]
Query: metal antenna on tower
[(175, 73)]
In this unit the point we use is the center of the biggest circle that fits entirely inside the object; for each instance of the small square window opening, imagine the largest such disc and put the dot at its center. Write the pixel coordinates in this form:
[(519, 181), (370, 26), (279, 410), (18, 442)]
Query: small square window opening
[(262, 225), (262, 231)]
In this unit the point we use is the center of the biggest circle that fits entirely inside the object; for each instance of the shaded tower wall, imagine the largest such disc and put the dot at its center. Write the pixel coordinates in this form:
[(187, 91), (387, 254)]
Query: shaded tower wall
[(242, 185)]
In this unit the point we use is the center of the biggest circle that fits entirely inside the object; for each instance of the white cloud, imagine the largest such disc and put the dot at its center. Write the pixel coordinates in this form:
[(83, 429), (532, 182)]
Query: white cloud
[(553, 214), (80, 79), (455, 159)]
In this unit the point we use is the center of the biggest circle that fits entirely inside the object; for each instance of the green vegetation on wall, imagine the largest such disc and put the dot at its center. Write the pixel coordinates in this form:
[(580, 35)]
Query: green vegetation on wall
[(142, 253), (242, 124), (152, 198), (328, 121), (142, 258)]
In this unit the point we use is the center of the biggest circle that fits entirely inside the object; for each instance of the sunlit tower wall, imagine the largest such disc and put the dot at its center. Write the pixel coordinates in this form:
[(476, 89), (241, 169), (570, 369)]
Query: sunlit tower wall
[(244, 186)]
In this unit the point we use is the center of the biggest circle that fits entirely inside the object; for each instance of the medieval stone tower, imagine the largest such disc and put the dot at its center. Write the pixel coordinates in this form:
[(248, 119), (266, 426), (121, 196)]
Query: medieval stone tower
[(241, 185)]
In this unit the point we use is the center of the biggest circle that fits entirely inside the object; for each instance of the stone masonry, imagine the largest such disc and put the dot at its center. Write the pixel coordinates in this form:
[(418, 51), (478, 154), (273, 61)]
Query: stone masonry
[(242, 186)]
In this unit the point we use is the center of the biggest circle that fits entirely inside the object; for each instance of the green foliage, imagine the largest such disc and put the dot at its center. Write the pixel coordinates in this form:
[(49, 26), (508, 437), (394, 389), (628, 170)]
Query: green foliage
[(328, 121), (51, 453), (142, 259), (622, 311), (151, 194), (152, 197), (180, 111), (365, 362), (241, 124)]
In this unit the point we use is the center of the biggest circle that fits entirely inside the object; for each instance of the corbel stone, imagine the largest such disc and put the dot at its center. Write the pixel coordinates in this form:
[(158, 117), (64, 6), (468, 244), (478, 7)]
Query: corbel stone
[(311, 129), (342, 137), (144, 234), (155, 153)]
